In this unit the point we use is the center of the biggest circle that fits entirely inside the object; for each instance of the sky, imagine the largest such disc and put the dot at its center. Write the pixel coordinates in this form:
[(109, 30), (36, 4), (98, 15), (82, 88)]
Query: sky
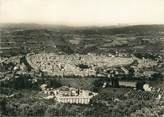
[(82, 12)]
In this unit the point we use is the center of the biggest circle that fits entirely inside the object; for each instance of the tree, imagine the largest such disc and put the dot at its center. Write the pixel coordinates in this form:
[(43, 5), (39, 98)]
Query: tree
[(3, 103), (38, 108), (24, 109)]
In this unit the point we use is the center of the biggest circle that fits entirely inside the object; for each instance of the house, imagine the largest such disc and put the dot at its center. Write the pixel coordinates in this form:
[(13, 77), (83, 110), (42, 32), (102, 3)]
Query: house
[(127, 84)]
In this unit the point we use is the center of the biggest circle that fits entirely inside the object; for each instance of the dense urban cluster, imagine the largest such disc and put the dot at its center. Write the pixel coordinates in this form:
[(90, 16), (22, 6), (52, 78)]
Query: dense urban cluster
[(74, 65)]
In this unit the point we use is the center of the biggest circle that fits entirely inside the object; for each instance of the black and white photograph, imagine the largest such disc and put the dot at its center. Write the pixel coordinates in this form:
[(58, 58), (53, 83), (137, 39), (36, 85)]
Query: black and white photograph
[(81, 58)]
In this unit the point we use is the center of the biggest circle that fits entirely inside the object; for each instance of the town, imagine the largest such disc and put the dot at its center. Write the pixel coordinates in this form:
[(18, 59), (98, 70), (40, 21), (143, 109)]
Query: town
[(74, 75)]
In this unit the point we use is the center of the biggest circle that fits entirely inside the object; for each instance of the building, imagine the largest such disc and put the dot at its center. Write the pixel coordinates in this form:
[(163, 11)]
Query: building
[(71, 95), (127, 84)]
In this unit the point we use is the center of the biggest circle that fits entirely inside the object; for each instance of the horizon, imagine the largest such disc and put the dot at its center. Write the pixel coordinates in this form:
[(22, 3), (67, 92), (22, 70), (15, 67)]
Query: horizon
[(78, 26)]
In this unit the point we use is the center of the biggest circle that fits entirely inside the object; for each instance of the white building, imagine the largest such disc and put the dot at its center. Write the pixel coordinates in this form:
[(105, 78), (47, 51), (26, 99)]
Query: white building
[(71, 95)]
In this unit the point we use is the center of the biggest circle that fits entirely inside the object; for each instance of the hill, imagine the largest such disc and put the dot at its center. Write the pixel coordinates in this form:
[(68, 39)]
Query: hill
[(26, 38)]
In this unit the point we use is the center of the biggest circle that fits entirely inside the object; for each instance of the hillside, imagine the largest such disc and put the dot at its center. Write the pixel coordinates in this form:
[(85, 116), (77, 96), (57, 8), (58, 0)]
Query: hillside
[(22, 39)]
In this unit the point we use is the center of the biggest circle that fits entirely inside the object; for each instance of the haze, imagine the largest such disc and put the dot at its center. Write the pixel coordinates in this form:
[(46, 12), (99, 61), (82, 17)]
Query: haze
[(82, 12)]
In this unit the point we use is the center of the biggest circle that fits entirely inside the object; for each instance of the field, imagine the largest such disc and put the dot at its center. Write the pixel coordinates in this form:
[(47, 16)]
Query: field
[(16, 39)]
